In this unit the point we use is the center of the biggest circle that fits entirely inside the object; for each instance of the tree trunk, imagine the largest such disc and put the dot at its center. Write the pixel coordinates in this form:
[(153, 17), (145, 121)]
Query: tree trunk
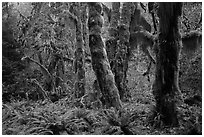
[(79, 56), (111, 43), (60, 73), (100, 61), (121, 58), (166, 87), (84, 20)]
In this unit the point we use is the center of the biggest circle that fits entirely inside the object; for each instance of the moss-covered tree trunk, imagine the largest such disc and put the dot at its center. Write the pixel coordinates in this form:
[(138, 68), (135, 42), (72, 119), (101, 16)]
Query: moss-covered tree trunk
[(84, 20), (100, 63), (79, 55), (166, 87), (111, 43), (121, 60)]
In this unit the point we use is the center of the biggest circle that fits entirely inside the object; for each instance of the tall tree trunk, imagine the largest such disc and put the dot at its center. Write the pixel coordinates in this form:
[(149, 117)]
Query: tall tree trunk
[(166, 87), (121, 59), (100, 61), (111, 43), (84, 20), (79, 56)]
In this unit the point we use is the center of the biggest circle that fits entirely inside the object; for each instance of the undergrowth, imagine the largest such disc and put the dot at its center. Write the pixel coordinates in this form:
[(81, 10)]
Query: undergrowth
[(64, 117)]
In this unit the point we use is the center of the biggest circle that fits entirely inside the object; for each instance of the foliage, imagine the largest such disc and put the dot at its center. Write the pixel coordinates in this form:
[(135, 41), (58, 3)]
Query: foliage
[(192, 16), (12, 66), (41, 34)]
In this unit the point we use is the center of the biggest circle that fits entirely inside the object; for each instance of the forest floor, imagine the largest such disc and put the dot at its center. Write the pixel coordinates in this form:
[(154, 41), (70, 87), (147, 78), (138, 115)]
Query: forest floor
[(63, 117)]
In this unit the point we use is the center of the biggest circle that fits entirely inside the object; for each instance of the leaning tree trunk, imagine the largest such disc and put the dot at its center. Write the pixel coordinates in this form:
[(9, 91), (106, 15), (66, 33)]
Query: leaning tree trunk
[(100, 61), (112, 29), (121, 59), (79, 56), (111, 43), (166, 87)]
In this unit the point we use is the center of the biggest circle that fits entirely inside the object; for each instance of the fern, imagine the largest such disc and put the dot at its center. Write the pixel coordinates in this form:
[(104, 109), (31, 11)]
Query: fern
[(34, 129)]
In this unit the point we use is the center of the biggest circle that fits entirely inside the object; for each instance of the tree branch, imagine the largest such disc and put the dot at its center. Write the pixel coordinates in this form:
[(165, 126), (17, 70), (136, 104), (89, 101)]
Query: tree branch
[(44, 70)]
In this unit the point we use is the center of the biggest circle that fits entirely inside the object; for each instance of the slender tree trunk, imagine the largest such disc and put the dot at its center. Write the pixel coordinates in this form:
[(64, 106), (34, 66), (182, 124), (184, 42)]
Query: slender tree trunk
[(121, 59), (111, 43), (60, 72), (166, 87), (84, 20), (100, 61), (79, 56)]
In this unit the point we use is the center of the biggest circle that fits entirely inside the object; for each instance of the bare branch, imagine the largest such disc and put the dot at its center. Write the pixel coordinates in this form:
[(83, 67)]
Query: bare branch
[(44, 70)]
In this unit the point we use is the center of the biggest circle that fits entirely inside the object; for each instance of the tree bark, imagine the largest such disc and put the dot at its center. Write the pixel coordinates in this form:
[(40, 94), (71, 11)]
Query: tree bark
[(166, 87), (79, 56), (84, 20), (100, 61), (60, 73), (111, 43), (121, 58)]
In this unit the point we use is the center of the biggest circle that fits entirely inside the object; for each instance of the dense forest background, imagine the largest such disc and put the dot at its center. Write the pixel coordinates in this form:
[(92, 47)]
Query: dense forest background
[(50, 78)]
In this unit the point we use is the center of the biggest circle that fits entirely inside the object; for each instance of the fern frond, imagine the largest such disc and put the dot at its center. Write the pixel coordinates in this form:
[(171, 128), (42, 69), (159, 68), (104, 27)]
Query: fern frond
[(47, 132), (38, 122), (44, 131), (30, 131)]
